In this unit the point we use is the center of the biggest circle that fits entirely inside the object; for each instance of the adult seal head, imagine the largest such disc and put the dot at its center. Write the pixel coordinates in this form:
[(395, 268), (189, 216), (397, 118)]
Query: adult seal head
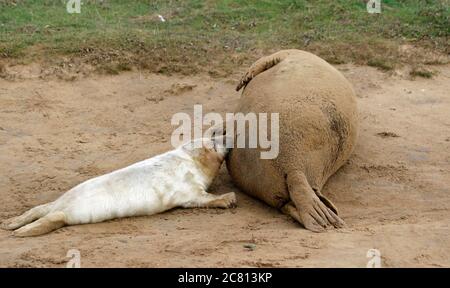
[(317, 132)]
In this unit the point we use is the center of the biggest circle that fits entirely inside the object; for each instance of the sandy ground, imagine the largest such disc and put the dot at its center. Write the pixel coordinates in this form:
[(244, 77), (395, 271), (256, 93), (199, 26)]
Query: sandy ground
[(394, 192)]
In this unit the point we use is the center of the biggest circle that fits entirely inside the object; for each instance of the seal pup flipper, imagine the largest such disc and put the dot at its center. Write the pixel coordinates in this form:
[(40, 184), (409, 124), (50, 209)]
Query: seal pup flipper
[(46, 224), (27, 217), (313, 213), (207, 200)]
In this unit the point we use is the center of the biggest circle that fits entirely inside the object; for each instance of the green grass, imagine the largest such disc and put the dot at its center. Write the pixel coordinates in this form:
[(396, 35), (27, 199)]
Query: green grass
[(217, 35), (421, 72), (382, 64)]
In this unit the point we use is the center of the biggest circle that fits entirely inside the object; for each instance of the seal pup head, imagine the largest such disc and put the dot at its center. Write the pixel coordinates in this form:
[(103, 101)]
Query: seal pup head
[(208, 153)]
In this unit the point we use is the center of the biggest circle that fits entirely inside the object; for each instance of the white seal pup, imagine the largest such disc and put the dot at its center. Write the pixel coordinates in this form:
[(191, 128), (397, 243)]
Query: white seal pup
[(178, 178)]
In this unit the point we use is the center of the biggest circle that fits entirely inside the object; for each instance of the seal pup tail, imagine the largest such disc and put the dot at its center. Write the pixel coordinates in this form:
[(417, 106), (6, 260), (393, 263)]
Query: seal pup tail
[(27, 217)]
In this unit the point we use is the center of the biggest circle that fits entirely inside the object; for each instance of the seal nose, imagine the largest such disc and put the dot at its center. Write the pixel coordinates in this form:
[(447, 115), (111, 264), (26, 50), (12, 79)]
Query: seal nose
[(221, 141), (219, 144)]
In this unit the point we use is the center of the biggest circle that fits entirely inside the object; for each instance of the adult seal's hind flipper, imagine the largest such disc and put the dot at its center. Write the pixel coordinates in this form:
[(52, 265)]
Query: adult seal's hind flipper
[(263, 64)]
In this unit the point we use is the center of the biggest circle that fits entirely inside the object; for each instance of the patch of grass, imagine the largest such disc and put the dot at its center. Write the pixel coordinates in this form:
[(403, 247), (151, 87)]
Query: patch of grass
[(113, 68), (215, 36), (382, 64), (421, 72)]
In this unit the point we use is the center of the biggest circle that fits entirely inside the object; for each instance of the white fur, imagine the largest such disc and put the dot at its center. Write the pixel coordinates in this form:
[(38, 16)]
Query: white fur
[(166, 181), (148, 187)]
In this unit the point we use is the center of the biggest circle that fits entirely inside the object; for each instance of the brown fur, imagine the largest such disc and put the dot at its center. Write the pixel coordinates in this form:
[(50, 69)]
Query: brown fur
[(318, 129)]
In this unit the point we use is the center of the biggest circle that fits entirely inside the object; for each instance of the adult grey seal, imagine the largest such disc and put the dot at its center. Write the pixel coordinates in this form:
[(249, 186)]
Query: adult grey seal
[(318, 130)]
